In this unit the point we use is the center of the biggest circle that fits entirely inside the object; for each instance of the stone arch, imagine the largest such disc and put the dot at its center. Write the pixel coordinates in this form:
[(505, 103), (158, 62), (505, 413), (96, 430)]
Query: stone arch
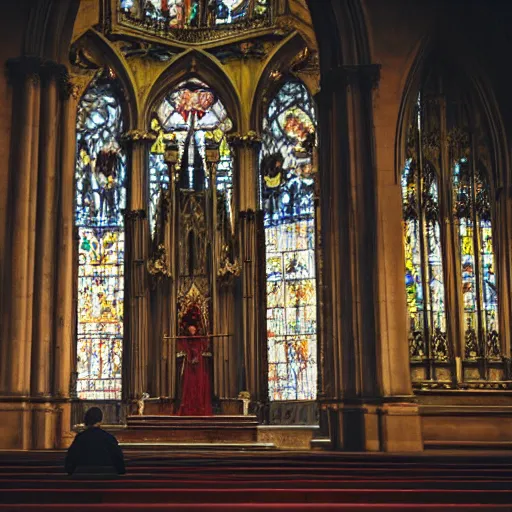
[(341, 32), (104, 53), (479, 92), (196, 64), (49, 30), (409, 96), (278, 60)]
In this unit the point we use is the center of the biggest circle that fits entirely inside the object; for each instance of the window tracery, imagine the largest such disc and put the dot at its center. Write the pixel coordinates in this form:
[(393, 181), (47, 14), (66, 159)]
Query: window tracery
[(100, 200), (287, 183), (445, 190), (191, 115)]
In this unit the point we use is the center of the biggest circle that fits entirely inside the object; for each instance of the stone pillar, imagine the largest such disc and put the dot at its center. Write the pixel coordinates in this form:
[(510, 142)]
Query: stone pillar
[(503, 261), (136, 337), (24, 76), (45, 264), (15, 430), (44, 415), (254, 378), (64, 347), (365, 383)]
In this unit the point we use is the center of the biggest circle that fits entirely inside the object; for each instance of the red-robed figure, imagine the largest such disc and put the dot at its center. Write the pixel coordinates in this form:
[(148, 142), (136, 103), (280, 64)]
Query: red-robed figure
[(194, 366)]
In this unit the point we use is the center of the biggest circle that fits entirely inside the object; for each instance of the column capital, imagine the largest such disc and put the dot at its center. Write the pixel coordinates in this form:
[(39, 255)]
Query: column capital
[(134, 214), (364, 76), (23, 67), (250, 140), (70, 88), (138, 136), (52, 70)]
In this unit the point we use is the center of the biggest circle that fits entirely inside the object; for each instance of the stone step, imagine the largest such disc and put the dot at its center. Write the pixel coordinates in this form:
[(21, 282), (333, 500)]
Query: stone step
[(162, 447)]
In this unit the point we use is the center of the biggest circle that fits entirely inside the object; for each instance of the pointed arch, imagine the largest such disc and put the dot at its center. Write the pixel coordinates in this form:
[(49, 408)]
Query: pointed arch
[(201, 66), (445, 118), (101, 178), (410, 93), (105, 54), (278, 60), (287, 177)]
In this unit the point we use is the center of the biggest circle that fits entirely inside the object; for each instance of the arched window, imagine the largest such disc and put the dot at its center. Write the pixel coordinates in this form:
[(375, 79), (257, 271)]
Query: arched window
[(480, 300), (100, 200), (287, 194), (191, 115), (448, 225)]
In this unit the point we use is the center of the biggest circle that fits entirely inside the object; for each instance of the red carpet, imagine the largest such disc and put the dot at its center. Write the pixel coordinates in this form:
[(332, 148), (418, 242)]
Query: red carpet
[(261, 482)]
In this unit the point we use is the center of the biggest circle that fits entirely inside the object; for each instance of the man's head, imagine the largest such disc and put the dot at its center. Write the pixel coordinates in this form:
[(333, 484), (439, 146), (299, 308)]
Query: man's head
[(93, 416)]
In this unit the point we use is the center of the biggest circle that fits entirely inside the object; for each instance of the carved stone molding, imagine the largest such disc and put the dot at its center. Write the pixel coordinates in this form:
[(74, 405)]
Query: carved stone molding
[(24, 68), (229, 269), (40, 71), (250, 139), (138, 136), (73, 87), (52, 70), (135, 214), (82, 58), (192, 35), (158, 264), (244, 50), (458, 142), (365, 76), (248, 214)]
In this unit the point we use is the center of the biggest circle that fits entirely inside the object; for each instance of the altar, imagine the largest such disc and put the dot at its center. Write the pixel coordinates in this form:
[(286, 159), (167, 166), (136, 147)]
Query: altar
[(158, 430)]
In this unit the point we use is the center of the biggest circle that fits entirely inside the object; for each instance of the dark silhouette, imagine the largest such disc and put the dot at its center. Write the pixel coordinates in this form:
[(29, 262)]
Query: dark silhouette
[(94, 450)]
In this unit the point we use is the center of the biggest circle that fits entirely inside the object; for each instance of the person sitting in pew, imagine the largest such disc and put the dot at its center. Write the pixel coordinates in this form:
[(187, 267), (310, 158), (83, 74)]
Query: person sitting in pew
[(94, 450)]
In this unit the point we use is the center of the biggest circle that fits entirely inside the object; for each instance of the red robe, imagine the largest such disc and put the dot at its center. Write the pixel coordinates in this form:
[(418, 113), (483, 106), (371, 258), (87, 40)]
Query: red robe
[(196, 394)]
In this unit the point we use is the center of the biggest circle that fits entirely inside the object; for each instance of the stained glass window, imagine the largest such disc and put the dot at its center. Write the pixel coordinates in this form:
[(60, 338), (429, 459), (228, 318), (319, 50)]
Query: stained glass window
[(179, 14), (193, 116), (287, 185), (424, 279), (472, 210), (100, 199)]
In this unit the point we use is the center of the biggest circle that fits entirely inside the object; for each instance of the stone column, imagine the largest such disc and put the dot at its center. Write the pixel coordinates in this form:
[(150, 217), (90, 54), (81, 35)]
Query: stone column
[(365, 384), (254, 376), (16, 350), (65, 307), (136, 337), (333, 295), (45, 264), (504, 263), (217, 344), (44, 415)]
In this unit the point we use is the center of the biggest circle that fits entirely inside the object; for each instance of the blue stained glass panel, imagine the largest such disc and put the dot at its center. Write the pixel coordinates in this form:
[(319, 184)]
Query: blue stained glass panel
[(100, 201), (287, 185)]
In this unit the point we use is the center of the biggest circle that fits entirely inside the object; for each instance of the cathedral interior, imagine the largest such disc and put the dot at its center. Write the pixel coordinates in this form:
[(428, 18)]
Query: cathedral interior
[(318, 192)]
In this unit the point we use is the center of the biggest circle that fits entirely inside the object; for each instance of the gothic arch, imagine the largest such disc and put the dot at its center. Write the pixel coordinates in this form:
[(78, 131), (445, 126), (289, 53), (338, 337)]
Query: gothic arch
[(478, 91), (278, 60), (471, 101), (49, 29), (341, 32), (104, 53), (196, 64), (409, 96)]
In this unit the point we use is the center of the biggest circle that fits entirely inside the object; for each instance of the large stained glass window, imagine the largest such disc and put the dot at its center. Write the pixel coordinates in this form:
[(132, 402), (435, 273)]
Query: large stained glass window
[(479, 294), (287, 185), (178, 14), (100, 199), (424, 279), (193, 116)]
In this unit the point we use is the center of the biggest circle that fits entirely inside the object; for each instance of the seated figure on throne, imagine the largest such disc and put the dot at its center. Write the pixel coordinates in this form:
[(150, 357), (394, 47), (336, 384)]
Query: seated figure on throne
[(194, 366)]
